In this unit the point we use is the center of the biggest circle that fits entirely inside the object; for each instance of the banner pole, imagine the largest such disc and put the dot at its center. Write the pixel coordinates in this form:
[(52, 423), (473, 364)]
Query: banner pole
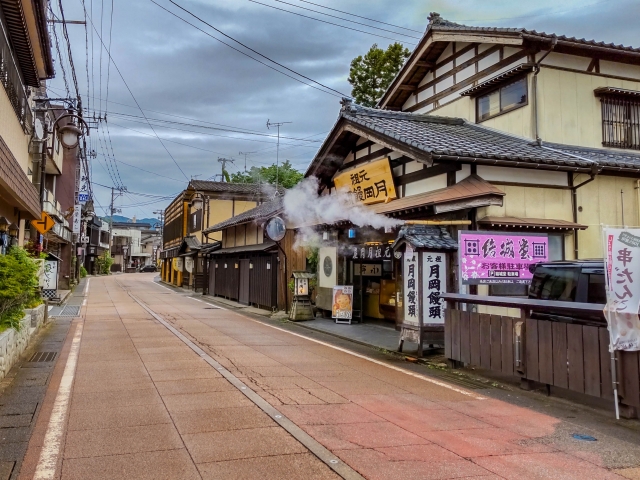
[(614, 369)]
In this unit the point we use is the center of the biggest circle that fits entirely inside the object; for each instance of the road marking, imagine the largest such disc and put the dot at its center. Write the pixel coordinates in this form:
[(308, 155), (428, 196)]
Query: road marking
[(323, 454), (373, 360), (86, 287), (84, 302), (48, 462), (162, 286)]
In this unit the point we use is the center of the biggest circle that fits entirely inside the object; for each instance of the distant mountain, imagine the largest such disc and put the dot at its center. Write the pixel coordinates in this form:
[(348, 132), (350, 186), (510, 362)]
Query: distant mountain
[(120, 218)]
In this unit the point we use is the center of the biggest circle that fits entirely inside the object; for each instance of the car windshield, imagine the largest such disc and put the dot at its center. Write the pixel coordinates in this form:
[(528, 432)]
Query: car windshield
[(555, 283)]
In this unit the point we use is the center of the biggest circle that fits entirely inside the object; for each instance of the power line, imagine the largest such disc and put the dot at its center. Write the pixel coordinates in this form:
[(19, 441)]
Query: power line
[(328, 90), (347, 20), (135, 100), (229, 129), (57, 44), (106, 106), (66, 37), (149, 171), (359, 16), (325, 21)]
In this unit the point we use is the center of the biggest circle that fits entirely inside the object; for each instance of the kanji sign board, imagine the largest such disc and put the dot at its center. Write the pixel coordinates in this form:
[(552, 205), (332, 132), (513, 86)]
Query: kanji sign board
[(500, 257), (622, 267), (43, 225), (370, 183)]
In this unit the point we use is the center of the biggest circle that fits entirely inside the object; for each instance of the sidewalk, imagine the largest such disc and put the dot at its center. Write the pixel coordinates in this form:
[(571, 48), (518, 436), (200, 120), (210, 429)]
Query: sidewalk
[(168, 386)]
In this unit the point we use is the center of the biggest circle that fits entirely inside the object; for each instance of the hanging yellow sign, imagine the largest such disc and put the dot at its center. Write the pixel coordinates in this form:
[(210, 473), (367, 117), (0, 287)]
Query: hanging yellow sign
[(370, 183)]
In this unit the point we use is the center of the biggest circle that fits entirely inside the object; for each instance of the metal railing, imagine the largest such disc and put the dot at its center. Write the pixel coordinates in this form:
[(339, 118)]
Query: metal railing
[(13, 85)]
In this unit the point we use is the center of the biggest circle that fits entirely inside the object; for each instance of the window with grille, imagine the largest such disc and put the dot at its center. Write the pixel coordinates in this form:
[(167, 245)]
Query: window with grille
[(621, 122)]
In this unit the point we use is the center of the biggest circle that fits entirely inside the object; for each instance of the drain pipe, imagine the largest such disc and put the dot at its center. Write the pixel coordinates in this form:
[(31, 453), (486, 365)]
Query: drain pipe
[(536, 69)]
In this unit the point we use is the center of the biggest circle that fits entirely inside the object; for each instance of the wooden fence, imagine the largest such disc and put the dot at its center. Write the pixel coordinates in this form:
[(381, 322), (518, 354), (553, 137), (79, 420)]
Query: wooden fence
[(571, 356)]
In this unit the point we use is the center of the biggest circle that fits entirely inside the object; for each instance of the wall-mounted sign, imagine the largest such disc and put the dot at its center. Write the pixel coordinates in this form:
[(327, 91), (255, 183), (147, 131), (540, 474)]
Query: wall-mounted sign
[(342, 302), (77, 218), (499, 257), (367, 252), (370, 183), (83, 197), (368, 269), (410, 279), (434, 283)]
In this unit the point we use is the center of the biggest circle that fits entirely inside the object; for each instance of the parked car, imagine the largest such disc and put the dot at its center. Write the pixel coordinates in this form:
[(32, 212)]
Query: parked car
[(570, 281), (148, 268)]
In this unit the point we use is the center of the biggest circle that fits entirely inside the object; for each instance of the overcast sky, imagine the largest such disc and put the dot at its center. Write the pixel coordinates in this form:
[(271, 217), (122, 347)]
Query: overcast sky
[(174, 71)]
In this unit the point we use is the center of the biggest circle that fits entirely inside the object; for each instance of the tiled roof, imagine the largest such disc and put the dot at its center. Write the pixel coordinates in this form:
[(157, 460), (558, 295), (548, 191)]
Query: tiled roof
[(263, 210), (606, 158), (426, 236), (456, 138), (238, 188)]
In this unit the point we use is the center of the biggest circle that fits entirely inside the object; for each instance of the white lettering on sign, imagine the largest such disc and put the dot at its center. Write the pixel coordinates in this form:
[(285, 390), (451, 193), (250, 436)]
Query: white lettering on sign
[(434, 282)]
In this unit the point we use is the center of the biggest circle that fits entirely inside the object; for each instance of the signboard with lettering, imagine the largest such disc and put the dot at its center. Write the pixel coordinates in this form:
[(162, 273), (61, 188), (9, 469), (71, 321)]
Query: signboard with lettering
[(367, 252), (434, 283), (499, 257), (83, 198), (49, 279), (411, 300), (188, 264), (368, 269), (77, 218), (622, 267), (370, 183), (342, 308)]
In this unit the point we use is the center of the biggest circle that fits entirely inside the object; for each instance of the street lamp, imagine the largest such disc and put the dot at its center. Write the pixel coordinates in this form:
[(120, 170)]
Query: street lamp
[(13, 234), (196, 201), (70, 134)]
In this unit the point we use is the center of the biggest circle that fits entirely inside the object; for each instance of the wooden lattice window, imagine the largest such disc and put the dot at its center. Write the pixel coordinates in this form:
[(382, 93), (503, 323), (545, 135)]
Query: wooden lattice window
[(620, 121)]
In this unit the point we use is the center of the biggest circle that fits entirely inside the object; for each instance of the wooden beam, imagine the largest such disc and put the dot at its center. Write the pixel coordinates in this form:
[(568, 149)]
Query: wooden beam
[(460, 52), (363, 145), (383, 152), (424, 64), (477, 38), (460, 67), (434, 171), (388, 142), (469, 81), (594, 65), (406, 87)]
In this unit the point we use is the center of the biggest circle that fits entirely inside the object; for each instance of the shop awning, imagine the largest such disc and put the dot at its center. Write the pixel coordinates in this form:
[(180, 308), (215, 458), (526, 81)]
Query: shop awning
[(470, 192), (425, 236), (260, 247), (530, 223)]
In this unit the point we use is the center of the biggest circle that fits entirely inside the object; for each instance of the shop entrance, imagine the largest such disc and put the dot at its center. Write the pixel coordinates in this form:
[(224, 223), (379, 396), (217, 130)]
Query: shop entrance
[(374, 290)]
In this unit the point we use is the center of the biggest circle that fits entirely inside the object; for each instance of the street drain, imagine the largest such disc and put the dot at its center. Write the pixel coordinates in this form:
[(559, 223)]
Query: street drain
[(584, 438), (67, 311), (43, 357)]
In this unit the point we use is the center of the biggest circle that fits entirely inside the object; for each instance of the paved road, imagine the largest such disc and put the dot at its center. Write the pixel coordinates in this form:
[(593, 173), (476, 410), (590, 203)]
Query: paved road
[(160, 385)]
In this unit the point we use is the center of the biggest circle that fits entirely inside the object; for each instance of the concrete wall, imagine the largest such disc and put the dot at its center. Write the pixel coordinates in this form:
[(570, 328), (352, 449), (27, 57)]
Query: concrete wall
[(13, 343)]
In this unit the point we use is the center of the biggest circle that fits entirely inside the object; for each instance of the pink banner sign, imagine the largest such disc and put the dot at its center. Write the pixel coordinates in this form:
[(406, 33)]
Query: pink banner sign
[(499, 257)]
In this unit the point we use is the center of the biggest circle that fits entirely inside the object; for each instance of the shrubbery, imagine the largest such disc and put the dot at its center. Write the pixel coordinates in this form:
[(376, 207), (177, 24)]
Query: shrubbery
[(103, 263), (83, 271), (18, 286)]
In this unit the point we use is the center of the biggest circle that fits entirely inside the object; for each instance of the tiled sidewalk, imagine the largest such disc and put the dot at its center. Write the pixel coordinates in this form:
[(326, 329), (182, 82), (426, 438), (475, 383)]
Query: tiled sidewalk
[(144, 405)]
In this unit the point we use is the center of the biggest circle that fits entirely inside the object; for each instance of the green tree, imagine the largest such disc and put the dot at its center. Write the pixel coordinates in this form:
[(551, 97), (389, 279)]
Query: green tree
[(286, 174), (371, 75), (18, 286)]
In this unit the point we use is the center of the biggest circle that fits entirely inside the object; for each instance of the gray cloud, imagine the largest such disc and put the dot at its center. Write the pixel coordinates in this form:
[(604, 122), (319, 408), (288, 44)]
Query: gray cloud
[(173, 68)]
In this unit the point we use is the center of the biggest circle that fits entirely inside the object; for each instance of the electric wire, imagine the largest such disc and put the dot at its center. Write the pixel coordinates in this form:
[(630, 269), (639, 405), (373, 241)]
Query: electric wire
[(328, 90), (325, 21), (106, 105), (347, 20), (135, 100), (66, 37), (359, 16), (57, 45)]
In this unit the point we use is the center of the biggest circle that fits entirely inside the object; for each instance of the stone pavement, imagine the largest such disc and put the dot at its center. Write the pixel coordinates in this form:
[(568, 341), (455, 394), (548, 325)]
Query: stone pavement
[(144, 404)]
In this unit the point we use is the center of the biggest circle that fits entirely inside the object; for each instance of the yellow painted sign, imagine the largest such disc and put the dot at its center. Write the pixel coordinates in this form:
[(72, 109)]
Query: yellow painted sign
[(370, 183), (43, 225)]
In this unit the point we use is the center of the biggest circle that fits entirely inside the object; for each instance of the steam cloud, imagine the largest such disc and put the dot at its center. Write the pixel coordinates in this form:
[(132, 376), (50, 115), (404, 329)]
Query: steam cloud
[(303, 208)]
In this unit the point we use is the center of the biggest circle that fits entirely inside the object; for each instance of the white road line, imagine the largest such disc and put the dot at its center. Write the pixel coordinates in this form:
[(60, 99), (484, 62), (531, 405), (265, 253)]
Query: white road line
[(84, 302), (373, 360), (48, 462), (162, 286), (398, 369), (86, 287)]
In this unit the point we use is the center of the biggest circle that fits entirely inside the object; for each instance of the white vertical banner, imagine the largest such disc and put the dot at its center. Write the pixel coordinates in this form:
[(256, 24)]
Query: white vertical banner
[(77, 218), (622, 267), (434, 282), (49, 279), (410, 275)]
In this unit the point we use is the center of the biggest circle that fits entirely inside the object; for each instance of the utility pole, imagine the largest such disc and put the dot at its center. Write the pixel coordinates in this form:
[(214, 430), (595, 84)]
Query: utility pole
[(224, 162), (245, 159), (278, 125), (113, 210)]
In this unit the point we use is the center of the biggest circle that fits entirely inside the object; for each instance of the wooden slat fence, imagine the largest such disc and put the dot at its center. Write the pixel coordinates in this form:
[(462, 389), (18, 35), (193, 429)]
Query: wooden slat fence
[(571, 356)]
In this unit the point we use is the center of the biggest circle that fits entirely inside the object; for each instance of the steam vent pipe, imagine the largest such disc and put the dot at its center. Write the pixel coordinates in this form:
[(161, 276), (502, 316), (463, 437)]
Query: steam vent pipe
[(437, 222)]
